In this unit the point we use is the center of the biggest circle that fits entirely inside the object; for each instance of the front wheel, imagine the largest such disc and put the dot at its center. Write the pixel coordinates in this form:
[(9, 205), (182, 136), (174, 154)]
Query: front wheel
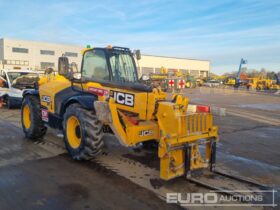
[(83, 133), (31, 118)]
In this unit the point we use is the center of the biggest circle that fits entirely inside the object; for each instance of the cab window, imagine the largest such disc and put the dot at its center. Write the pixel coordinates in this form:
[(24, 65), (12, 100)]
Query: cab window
[(95, 65)]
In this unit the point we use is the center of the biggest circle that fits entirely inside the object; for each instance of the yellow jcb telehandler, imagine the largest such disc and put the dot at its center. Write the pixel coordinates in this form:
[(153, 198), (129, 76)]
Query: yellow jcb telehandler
[(107, 96)]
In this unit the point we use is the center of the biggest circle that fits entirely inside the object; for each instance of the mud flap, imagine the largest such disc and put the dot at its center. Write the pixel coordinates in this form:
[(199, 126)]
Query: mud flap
[(188, 161), (213, 156)]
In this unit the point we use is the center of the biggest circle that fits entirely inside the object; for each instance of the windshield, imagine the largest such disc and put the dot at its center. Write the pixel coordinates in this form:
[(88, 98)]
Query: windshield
[(14, 75), (123, 68), (95, 65)]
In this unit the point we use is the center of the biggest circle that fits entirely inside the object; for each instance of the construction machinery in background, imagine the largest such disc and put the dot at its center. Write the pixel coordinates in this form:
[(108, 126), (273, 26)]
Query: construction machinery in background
[(276, 82), (264, 83), (200, 82), (191, 81), (107, 96), (240, 79), (229, 81), (174, 80), (168, 81), (159, 79), (261, 82)]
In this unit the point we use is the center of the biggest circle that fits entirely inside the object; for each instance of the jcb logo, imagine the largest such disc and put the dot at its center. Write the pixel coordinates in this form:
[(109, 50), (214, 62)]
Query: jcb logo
[(123, 98), (145, 133)]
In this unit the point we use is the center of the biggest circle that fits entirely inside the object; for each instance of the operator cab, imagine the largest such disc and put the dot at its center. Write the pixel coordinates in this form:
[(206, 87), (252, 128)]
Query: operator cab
[(111, 66)]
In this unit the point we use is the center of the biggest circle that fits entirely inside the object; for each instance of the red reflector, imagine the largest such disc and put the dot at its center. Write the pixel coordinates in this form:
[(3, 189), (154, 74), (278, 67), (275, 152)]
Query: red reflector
[(45, 115), (98, 91), (133, 121), (201, 108)]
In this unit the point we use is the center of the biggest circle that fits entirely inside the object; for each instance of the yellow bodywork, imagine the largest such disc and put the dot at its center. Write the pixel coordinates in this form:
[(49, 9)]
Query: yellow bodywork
[(50, 86), (174, 128), (179, 128), (152, 117), (230, 81), (157, 119)]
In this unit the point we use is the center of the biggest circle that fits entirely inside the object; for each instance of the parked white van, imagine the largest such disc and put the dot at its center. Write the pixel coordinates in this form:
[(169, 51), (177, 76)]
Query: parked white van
[(10, 92)]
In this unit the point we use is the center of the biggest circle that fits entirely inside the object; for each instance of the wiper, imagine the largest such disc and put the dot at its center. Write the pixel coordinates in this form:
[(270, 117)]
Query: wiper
[(118, 74), (117, 67), (124, 66)]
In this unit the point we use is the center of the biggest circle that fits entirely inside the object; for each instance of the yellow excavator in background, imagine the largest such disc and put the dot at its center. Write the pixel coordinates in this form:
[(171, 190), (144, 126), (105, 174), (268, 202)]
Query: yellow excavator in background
[(230, 81), (263, 83)]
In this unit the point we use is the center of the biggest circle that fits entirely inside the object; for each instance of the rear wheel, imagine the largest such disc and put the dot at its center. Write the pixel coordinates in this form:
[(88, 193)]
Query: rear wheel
[(31, 119), (82, 133)]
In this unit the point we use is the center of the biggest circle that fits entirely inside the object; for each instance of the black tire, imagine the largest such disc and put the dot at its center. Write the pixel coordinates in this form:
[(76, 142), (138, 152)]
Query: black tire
[(10, 103), (91, 133), (150, 145), (37, 128)]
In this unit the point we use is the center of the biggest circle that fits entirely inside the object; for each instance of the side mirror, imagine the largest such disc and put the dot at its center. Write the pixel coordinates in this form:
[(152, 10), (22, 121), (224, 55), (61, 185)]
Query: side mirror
[(49, 70), (138, 54), (145, 77), (63, 66), (76, 75)]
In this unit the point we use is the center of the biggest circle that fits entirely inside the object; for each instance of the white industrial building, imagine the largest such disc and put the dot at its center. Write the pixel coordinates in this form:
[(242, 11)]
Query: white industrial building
[(21, 54), (153, 64)]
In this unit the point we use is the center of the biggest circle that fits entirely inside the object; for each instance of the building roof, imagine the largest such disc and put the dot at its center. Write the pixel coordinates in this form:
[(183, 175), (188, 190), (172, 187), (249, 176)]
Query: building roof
[(41, 42), (162, 56)]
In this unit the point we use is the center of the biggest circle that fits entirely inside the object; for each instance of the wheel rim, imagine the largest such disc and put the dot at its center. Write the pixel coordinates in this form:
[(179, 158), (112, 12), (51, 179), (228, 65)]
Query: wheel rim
[(73, 132), (26, 117)]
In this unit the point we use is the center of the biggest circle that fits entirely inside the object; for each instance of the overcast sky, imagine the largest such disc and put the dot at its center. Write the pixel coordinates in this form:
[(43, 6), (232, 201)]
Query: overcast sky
[(220, 31)]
